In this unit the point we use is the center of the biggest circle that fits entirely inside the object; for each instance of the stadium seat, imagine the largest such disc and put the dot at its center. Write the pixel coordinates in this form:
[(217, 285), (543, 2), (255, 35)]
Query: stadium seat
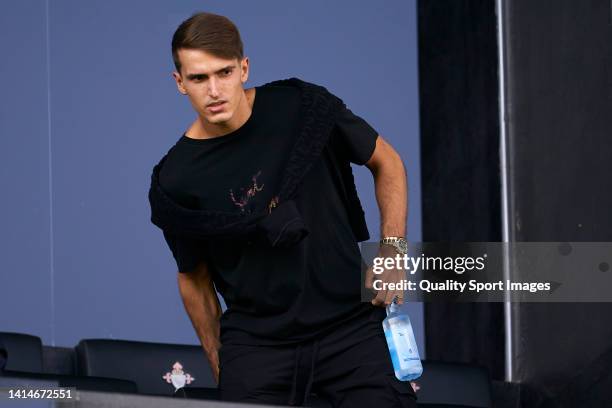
[(21, 359), (149, 365), (23, 352)]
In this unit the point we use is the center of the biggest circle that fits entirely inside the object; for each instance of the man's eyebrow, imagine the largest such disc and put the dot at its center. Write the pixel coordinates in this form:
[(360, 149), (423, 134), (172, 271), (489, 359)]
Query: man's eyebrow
[(204, 76), (196, 75), (225, 68)]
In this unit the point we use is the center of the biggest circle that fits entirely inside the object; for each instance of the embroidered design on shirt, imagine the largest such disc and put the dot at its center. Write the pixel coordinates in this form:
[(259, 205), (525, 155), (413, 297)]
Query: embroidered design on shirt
[(178, 378), (246, 194), (273, 204)]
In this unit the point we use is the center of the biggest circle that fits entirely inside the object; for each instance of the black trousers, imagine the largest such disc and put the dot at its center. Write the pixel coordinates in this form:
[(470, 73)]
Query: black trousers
[(349, 367)]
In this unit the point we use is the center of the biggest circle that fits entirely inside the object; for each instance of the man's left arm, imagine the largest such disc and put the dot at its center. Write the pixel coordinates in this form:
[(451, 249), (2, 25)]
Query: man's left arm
[(392, 197)]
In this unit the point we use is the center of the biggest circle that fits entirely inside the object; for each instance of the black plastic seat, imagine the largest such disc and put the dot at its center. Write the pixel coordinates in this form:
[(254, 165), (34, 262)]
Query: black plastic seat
[(144, 363), (21, 359), (22, 352)]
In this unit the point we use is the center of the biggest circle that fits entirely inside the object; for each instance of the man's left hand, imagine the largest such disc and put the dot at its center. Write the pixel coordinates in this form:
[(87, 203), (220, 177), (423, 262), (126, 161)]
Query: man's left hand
[(394, 275)]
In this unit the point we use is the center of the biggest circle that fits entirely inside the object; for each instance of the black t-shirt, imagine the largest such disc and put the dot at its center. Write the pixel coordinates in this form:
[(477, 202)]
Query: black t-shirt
[(273, 295)]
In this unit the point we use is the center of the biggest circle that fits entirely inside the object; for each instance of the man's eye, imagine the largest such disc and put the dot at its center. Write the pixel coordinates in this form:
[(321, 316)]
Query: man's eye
[(227, 72)]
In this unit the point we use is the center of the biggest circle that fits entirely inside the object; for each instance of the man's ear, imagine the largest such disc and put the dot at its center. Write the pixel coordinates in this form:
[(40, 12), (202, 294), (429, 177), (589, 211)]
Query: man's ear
[(179, 82), (244, 69)]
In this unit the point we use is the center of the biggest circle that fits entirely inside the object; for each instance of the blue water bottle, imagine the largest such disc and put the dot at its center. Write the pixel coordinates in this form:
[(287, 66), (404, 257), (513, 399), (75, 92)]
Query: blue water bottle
[(402, 345)]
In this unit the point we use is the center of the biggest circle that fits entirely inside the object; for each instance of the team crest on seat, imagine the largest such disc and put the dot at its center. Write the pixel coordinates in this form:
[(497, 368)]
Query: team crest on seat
[(178, 378)]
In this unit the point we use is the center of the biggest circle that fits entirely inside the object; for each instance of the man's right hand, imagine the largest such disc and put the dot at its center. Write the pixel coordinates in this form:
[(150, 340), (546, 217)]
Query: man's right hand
[(213, 359), (202, 305)]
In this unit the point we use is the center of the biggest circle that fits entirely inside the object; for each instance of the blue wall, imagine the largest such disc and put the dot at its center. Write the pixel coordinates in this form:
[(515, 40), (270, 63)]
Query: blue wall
[(89, 106)]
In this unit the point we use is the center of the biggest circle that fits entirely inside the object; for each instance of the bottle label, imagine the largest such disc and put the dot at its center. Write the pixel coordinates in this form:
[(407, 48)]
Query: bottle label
[(404, 340)]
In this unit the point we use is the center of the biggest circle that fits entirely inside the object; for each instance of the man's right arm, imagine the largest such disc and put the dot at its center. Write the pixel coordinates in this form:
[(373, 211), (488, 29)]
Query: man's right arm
[(202, 306)]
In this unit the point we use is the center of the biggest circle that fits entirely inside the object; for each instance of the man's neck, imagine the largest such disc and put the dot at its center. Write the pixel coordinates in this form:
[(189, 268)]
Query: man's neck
[(201, 129)]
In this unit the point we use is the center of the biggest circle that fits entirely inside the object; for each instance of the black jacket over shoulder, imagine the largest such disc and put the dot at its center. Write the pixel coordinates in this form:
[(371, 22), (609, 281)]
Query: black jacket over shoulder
[(281, 226)]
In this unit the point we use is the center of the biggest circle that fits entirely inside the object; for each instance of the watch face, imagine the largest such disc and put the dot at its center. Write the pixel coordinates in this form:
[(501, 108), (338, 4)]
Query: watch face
[(402, 245)]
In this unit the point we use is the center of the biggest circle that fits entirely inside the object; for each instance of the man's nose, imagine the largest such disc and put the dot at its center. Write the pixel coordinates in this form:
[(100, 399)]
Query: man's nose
[(213, 88)]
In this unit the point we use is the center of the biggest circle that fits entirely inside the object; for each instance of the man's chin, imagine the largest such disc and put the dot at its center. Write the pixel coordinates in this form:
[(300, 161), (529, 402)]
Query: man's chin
[(217, 119)]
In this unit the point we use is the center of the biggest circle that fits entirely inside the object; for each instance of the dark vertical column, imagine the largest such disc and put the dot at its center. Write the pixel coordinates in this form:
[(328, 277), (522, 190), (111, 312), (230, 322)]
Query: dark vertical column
[(460, 164), (559, 102), (559, 72)]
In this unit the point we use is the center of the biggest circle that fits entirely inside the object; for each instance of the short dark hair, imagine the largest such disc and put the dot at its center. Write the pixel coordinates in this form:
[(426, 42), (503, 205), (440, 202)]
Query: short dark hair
[(207, 32)]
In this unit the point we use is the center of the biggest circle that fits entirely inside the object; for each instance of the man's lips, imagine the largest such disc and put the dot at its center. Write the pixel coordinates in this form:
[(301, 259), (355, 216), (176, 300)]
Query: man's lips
[(216, 106)]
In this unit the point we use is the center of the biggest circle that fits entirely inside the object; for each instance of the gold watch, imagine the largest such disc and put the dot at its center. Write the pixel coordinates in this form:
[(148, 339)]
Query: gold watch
[(399, 243)]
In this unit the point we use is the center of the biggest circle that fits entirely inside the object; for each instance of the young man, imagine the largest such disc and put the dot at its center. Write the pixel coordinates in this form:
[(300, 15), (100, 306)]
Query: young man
[(257, 201)]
